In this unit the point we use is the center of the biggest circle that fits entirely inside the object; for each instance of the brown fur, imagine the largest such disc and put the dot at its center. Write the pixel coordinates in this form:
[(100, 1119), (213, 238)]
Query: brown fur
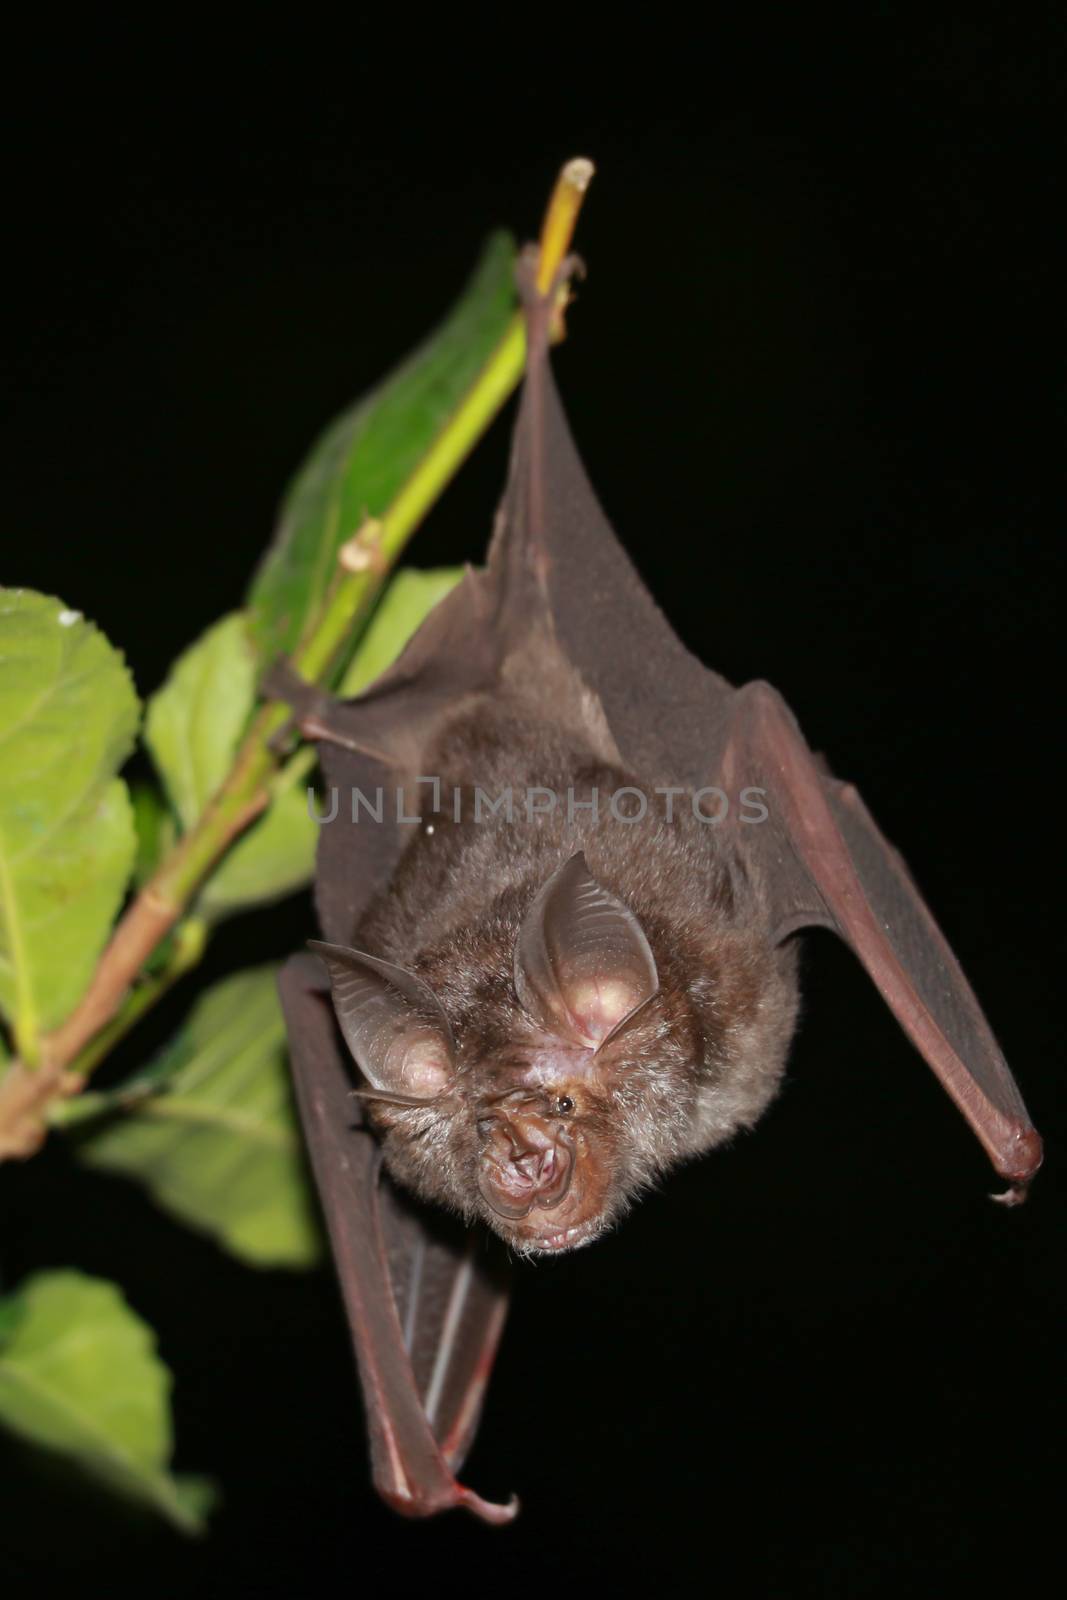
[(702, 1060)]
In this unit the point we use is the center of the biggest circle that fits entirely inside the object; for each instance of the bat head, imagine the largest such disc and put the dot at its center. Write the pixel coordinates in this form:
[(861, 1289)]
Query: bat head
[(535, 1119)]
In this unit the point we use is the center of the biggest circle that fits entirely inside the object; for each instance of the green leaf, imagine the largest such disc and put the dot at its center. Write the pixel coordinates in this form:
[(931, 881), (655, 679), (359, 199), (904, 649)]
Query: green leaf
[(154, 824), (68, 716), (210, 1131), (403, 607), (11, 1314), (365, 457), (277, 857), (79, 1374), (194, 723)]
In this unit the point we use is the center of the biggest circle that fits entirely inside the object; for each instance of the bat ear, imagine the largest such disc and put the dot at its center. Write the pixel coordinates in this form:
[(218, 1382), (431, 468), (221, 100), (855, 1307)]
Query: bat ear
[(393, 1024), (583, 966)]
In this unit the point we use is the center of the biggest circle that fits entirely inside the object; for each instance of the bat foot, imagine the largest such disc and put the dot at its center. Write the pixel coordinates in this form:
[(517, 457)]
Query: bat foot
[(1016, 1195), (526, 278)]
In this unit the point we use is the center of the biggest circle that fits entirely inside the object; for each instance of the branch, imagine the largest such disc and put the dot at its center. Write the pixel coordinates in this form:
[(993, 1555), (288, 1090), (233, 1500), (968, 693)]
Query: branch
[(363, 563)]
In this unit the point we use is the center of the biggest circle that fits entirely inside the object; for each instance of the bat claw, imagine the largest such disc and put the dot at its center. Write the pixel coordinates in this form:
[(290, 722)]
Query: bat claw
[(458, 1498), (309, 705), (281, 681), (527, 268), (1016, 1195), (490, 1511)]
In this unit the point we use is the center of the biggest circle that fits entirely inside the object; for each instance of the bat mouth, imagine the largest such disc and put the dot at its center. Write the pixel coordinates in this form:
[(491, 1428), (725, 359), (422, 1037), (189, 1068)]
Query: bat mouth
[(564, 1239)]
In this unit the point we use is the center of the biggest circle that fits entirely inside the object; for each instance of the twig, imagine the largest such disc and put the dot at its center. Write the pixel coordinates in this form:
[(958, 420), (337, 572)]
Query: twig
[(26, 1092)]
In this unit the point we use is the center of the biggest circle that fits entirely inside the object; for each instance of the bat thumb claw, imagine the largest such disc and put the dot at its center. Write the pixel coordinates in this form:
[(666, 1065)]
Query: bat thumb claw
[(458, 1497), (490, 1511)]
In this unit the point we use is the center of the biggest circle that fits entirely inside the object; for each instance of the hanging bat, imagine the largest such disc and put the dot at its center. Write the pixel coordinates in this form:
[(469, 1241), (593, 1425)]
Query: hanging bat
[(559, 893)]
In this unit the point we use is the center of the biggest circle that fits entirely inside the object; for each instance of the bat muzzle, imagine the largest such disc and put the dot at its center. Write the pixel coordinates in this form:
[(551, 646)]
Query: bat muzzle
[(527, 1160)]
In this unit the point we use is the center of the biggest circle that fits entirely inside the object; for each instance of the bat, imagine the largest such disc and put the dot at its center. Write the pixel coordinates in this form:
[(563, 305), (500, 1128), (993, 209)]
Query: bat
[(559, 889)]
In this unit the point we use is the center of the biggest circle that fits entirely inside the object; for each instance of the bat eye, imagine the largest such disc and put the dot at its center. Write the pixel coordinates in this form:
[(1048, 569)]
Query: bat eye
[(564, 1105)]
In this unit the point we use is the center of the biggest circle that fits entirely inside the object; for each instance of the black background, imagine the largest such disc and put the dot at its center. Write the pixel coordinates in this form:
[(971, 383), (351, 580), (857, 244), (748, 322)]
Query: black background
[(816, 373)]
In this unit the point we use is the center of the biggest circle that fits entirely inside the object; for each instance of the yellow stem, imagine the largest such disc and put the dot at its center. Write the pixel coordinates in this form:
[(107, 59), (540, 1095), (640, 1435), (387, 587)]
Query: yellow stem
[(557, 230)]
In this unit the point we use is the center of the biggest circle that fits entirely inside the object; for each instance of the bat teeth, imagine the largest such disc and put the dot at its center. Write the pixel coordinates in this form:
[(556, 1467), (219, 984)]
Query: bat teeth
[(566, 1239)]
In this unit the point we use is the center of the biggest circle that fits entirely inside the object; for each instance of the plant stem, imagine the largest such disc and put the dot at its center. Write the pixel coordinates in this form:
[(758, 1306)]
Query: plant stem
[(557, 230), (25, 1092), (190, 942), (352, 596)]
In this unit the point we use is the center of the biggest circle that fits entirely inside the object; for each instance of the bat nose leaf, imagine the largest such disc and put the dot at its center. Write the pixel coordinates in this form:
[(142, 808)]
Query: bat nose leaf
[(527, 1161)]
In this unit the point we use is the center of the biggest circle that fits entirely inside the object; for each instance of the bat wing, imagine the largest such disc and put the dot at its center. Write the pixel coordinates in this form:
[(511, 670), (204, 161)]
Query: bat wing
[(424, 1298), (557, 578), (425, 1301), (825, 862), (822, 858)]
